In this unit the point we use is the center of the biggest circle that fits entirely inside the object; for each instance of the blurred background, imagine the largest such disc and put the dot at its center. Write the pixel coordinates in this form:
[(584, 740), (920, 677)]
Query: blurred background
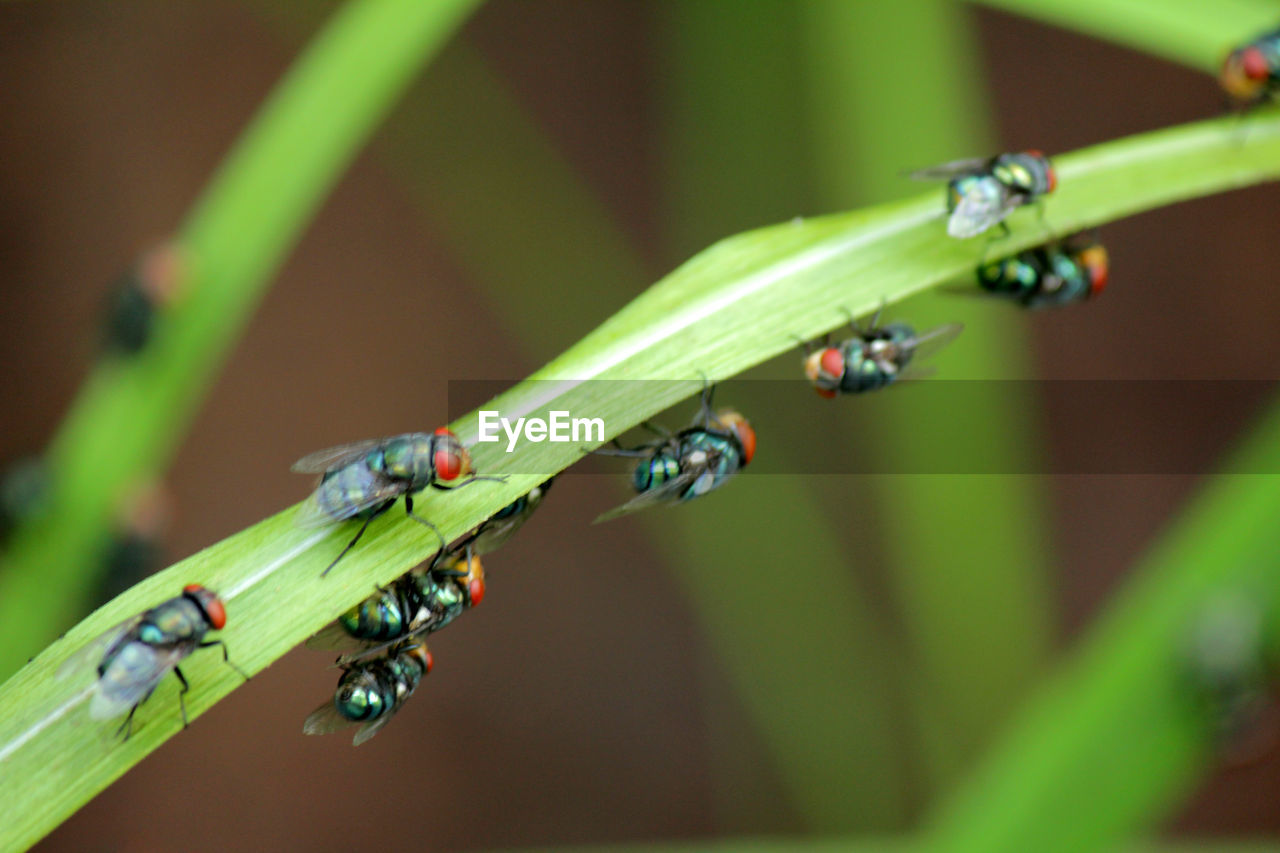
[(798, 654)]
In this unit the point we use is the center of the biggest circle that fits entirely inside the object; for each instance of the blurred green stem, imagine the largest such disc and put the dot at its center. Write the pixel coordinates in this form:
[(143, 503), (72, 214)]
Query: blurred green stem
[(1191, 32), (131, 414), (816, 666), (732, 306), (1118, 738), (991, 603)]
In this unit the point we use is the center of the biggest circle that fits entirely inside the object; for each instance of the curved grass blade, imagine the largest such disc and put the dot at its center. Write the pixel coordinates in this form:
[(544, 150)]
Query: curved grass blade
[(131, 414), (732, 306)]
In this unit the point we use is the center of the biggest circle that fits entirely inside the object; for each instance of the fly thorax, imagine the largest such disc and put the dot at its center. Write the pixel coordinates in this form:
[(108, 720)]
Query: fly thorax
[(177, 619), (408, 459), (377, 617)]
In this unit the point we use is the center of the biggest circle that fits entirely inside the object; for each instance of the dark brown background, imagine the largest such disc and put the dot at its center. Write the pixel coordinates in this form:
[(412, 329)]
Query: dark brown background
[(575, 705)]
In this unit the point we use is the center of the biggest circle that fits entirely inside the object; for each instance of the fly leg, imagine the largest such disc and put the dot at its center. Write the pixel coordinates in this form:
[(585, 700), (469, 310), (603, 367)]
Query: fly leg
[(656, 429), (641, 452), (408, 509), (182, 705), (452, 573), (474, 479), (127, 725), (354, 539), (208, 643), (708, 391)]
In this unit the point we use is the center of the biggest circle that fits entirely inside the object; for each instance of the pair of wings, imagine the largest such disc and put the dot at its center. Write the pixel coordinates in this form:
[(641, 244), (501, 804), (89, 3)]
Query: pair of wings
[(326, 719), (334, 638), (128, 681), (312, 514), (925, 344), (973, 214)]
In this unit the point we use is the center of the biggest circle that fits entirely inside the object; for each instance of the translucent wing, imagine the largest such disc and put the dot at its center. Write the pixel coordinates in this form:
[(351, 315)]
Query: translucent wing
[(667, 492), (88, 656), (927, 343), (379, 491), (368, 730), (944, 171), (325, 719), (418, 629), (976, 212), (335, 457), (333, 637), (131, 676)]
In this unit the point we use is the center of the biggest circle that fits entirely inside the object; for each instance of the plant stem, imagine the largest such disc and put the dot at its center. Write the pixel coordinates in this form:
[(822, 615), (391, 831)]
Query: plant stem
[(1191, 32), (729, 112), (1115, 740), (866, 135), (731, 307)]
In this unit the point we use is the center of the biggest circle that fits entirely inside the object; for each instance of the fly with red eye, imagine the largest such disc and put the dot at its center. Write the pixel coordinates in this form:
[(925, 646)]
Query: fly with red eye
[(132, 658), (873, 358), (1251, 73), (690, 463), (363, 479), (983, 192), (1064, 272)]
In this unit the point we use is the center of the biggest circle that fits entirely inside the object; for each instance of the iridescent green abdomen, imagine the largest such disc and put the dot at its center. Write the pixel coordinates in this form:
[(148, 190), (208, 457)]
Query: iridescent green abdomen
[(382, 616), (376, 689), (1039, 278), (655, 471)]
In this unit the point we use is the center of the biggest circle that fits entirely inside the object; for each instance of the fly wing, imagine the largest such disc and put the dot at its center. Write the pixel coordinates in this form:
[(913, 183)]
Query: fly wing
[(88, 656), (324, 720), (668, 491), (378, 491), (333, 637), (372, 727), (944, 171), (131, 675), (976, 213), (335, 457), (927, 343)]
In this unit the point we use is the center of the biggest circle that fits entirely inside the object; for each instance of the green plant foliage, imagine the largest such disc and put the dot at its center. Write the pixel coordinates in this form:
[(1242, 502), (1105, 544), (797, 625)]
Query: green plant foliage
[(1120, 735), (1191, 32), (130, 416), (730, 307)]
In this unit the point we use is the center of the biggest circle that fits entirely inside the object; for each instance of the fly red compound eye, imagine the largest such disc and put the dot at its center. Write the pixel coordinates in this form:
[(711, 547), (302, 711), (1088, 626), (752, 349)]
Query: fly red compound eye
[(832, 363), (216, 612), (1052, 177), (209, 602), (1255, 64), (449, 463), (475, 591)]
